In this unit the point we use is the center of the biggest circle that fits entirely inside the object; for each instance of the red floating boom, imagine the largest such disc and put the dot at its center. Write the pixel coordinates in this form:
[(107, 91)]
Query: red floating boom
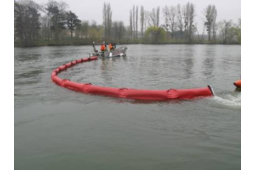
[(124, 92), (238, 83)]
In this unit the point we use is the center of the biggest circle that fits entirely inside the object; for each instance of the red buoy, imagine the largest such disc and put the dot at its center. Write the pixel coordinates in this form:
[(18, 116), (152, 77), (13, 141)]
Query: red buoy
[(238, 83)]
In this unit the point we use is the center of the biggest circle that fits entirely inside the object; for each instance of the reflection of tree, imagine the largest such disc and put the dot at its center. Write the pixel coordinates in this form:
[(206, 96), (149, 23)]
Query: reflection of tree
[(108, 68), (106, 65), (30, 74), (209, 62), (189, 63), (26, 57)]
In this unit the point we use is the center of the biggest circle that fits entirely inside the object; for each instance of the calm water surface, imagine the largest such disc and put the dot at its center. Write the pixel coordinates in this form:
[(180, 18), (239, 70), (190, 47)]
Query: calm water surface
[(58, 129)]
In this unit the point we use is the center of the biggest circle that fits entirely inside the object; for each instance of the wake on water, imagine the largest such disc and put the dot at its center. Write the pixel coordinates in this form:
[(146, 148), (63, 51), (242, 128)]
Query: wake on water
[(230, 100)]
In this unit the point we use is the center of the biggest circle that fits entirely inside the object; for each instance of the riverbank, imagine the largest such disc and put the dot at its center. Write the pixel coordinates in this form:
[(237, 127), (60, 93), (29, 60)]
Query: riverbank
[(89, 42)]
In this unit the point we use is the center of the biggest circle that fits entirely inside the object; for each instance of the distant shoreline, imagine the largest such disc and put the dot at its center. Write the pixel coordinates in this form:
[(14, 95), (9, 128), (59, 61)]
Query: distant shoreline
[(43, 44)]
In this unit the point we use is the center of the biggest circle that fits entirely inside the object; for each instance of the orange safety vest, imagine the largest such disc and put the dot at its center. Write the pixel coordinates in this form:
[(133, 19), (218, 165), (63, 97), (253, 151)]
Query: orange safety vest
[(110, 46), (102, 48)]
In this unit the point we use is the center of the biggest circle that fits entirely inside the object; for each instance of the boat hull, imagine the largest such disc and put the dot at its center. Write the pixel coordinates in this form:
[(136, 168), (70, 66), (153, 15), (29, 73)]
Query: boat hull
[(118, 52)]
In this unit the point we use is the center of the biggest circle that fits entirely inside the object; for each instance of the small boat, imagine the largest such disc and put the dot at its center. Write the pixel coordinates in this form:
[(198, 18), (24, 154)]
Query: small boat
[(118, 52), (238, 83)]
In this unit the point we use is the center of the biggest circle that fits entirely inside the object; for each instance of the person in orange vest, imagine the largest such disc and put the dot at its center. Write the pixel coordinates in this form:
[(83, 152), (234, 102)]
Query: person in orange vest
[(103, 47), (112, 46)]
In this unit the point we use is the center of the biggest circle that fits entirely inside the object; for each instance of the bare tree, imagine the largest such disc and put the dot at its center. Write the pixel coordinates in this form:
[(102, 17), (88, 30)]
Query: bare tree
[(136, 22), (214, 25), (134, 30), (210, 20), (121, 30), (107, 19), (154, 17), (146, 19), (192, 28), (131, 23), (227, 31), (118, 30), (115, 29), (62, 6), (45, 27), (165, 12), (142, 19), (185, 13), (179, 18), (170, 18), (85, 29), (188, 13), (158, 16)]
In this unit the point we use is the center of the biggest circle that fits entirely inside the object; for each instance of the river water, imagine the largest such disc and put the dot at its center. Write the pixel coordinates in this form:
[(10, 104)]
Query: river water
[(59, 129)]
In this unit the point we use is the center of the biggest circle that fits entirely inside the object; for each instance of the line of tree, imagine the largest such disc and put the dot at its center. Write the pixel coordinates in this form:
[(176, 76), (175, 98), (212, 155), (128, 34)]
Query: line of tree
[(54, 24), (26, 21), (30, 25), (133, 25), (107, 20)]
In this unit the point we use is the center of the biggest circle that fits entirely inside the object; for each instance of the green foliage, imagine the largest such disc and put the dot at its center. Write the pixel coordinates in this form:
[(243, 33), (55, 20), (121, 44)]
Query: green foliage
[(230, 32), (155, 35), (238, 31)]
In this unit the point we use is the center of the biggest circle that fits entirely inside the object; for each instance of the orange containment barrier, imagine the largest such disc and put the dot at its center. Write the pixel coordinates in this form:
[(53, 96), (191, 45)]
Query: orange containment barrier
[(156, 95), (238, 83)]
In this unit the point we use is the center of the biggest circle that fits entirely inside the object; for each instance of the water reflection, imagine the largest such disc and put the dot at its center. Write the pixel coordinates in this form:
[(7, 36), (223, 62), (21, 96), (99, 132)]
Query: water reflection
[(30, 74), (208, 63), (28, 57), (108, 68), (189, 63)]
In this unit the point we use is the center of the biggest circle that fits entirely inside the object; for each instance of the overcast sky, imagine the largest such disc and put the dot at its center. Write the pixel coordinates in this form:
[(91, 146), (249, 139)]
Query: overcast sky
[(92, 10)]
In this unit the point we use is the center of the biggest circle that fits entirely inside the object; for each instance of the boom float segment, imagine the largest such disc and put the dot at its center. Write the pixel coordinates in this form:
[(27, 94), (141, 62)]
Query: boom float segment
[(238, 83), (156, 95)]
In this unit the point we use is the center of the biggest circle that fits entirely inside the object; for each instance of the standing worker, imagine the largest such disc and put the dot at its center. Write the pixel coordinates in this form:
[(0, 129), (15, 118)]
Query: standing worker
[(103, 47), (112, 46)]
